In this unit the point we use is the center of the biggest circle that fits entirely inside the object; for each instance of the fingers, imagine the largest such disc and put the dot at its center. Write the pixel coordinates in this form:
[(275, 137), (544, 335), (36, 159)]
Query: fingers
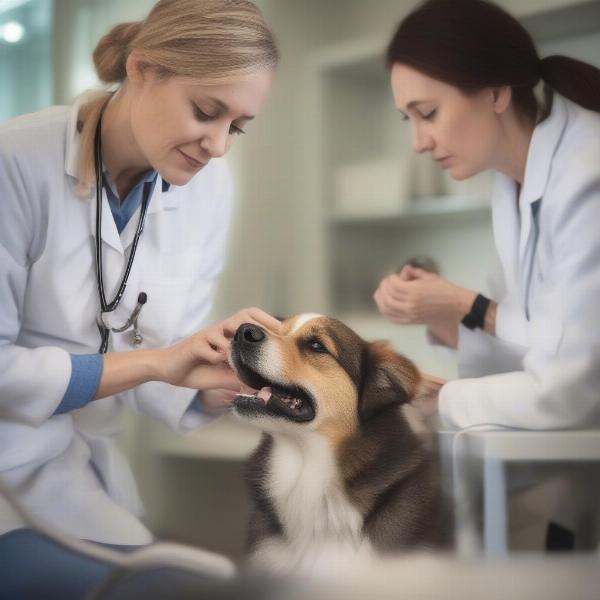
[(215, 377), (262, 318), (217, 399), (212, 355), (410, 273), (212, 345), (218, 342), (416, 273), (250, 315), (427, 396), (433, 380), (405, 273), (388, 304), (394, 287), (396, 311)]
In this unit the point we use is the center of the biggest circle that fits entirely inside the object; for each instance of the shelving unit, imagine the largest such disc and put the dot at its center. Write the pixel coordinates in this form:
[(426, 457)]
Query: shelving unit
[(419, 212), (359, 125)]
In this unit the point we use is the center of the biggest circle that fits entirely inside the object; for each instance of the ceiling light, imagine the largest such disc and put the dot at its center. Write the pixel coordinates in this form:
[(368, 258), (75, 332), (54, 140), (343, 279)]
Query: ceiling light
[(12, 32)]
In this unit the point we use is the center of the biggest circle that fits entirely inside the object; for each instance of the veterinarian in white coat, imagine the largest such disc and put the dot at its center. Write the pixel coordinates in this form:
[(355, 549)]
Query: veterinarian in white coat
[(529, 359), (532, 358), (174, 111)]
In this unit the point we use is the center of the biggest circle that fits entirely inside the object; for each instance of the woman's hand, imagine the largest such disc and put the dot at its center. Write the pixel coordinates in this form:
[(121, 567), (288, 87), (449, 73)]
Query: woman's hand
[(416, 296), (427, 397), (200, 360), (218, 401)]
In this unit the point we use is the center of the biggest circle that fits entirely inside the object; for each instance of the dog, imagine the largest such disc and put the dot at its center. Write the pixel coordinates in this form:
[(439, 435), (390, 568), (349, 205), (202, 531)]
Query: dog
[(339, 468)]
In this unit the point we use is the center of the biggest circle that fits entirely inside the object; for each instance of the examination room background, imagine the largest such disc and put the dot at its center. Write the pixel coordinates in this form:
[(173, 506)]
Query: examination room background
[(298, 243)]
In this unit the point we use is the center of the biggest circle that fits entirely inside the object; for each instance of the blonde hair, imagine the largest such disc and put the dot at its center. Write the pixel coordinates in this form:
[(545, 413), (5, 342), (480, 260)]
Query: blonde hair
[(211, 40)]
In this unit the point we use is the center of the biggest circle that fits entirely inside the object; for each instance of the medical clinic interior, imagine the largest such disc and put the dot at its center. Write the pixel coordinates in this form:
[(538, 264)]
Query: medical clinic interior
[(343, 201)]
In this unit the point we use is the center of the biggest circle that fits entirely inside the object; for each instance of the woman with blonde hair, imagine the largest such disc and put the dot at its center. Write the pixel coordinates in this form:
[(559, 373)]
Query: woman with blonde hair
[(113, 226)]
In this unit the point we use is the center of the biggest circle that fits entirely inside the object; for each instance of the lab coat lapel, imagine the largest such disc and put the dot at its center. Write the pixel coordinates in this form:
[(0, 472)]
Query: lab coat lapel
[(159, 201), (109, 233), (506, 227), (542, 148), (113, 256)]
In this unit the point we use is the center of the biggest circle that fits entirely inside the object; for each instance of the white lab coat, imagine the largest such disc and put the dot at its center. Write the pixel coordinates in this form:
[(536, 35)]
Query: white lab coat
[(542, 370), (66, 468)]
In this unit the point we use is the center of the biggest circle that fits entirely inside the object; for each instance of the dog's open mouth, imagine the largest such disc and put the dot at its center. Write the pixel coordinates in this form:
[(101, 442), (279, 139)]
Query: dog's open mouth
[(272, 399)]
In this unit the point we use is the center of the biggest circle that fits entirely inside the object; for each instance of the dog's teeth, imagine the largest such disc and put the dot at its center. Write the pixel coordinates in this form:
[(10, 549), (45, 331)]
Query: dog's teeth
[(246, 390)]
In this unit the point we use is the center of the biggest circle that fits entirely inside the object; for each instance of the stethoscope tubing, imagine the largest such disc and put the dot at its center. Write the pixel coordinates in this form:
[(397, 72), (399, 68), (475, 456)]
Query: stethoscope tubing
[(112, 305)]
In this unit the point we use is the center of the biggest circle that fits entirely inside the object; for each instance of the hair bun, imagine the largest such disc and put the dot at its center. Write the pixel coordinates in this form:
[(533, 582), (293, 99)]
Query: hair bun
[(110, 55)]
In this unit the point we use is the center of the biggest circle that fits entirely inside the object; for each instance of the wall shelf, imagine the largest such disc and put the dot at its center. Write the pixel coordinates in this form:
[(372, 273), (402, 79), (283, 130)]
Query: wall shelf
[(419, 210)]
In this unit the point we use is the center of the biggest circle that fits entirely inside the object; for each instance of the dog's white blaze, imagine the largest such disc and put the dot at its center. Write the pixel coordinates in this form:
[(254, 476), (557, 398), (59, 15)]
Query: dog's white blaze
[(303, 319), (307, 491), (269, 361)]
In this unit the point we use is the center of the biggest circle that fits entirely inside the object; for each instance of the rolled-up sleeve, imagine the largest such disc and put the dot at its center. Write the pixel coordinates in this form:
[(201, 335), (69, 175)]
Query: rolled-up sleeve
[(86, 371)]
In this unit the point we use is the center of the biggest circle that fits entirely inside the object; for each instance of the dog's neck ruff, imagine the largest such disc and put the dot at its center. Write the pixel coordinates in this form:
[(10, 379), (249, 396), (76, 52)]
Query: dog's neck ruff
[(308, 495)]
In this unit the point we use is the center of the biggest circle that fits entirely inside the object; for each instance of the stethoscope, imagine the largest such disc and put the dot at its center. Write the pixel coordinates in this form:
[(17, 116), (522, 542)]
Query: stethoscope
[(107, 307)]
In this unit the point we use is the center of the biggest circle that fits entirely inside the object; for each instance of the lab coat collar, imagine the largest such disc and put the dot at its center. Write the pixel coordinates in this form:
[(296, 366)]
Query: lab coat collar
[(73, 138), (159, 201), (542, 148)]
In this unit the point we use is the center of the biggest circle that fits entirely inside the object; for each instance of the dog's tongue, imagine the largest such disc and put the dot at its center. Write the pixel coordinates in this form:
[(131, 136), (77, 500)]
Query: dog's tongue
[(265, 394)]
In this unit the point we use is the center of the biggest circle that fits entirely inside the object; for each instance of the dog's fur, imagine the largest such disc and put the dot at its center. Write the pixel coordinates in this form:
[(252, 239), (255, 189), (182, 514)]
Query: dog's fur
[(342, 470)]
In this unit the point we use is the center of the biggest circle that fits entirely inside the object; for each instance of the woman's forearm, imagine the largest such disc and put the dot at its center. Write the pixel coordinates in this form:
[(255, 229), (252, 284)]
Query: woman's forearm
[(125, 370), (447, 331), (489, 321)]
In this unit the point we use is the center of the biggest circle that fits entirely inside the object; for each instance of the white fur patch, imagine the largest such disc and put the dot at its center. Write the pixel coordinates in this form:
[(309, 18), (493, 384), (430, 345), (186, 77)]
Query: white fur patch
[(309, 499), (303, 319), (269, 361)]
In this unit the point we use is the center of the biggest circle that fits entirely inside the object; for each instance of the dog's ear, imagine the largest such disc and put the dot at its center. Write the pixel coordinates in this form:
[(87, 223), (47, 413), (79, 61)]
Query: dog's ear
[(389, 379)]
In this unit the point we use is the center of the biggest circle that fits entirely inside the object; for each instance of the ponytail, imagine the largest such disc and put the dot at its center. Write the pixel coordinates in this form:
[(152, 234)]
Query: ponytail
[(576, 80)]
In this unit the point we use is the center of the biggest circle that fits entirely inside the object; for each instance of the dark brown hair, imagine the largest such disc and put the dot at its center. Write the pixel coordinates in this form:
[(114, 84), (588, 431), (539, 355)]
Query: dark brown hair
[(474, 44)]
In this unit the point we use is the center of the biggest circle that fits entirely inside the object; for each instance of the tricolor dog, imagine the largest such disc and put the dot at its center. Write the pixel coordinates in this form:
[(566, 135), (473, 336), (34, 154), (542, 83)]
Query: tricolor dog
[(339, 467)]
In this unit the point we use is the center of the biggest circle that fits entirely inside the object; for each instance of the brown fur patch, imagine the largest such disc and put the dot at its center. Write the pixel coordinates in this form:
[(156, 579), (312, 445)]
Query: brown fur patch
[(333, 389)]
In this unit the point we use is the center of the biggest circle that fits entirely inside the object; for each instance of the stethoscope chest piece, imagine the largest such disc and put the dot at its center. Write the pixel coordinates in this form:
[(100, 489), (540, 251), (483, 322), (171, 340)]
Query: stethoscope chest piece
[(104, 321)]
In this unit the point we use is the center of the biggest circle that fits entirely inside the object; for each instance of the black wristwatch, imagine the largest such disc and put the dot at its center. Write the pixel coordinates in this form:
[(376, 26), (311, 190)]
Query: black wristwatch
[(475, 318)]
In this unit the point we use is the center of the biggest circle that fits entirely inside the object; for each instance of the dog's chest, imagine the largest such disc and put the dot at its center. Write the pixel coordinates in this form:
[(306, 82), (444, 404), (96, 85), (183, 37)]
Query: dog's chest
[(308, 494)]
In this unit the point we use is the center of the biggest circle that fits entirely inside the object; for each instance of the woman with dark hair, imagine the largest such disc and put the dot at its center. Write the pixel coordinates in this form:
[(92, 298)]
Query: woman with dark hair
[(465, 74)]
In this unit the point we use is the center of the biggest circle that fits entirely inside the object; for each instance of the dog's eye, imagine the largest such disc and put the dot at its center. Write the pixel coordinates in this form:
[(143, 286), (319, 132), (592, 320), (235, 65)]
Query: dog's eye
[(316, 346)]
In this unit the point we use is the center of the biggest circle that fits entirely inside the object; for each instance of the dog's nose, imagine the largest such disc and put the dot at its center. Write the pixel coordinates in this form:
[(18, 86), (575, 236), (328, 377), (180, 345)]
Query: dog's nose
[(249, 333)]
